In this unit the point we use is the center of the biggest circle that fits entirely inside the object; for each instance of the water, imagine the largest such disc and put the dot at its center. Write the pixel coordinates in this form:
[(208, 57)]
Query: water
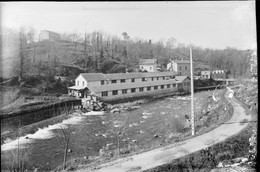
[(11, 124), (97, 132)]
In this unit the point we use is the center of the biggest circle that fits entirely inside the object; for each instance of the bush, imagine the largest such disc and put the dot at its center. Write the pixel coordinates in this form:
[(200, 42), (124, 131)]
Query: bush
[(16, 160)]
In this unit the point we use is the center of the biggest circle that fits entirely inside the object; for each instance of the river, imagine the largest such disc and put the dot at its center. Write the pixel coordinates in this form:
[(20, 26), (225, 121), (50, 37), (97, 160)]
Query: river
[(146, 127)]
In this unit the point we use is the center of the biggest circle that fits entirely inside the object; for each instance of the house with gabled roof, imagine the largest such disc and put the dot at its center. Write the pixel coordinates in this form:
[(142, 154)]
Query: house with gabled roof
[(127, 85), (182, 67), (148, 65)]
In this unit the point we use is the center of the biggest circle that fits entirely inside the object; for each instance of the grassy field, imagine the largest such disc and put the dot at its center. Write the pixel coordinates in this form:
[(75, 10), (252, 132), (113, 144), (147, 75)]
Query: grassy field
[(154, 124)]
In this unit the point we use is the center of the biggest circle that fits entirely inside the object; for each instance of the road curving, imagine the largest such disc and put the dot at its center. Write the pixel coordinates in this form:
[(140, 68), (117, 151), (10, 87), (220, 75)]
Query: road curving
[(164, 155)]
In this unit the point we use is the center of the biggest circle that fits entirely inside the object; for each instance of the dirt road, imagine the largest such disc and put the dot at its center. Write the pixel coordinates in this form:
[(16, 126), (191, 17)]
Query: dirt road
[(166, 154)]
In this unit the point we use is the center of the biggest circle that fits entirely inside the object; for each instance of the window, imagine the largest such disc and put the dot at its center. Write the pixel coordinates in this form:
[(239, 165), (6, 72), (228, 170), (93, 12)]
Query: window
[(186, 68), (114, 92), (157, 78), (124, 91), (132, 80), (143, 79), (152, 78), (163, 78), (150, 68), (155, 87), (148, 88), (102, 82), (142, 67), (141, 89), (82, 83), (168, 86), (180, 67), (113, 81), (132, 90), (162, 86), (174, 85), (104, 93), (77, 82), (122, 80)]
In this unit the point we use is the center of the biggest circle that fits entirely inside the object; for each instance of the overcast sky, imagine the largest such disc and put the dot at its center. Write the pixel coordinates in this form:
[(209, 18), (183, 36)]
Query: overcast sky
[(212, 24)]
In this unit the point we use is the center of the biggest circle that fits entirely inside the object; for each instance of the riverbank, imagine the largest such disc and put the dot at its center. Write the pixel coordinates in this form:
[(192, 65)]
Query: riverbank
[(94, 139), (164, 155), (45, 103)]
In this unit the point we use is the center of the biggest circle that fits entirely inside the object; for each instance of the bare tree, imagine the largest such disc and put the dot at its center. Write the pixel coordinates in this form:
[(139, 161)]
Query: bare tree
[(21, 55), (16, 160), (64, 137), (120, 130)]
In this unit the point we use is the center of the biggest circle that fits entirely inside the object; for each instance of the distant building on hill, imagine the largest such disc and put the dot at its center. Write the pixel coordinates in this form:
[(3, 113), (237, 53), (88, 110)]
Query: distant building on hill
[(149, 65), (182, 67), (49, 35)]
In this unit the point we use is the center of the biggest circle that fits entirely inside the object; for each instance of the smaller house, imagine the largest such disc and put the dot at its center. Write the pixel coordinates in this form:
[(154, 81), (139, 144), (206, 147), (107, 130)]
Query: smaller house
[(182, 67), (205, 74), (184, 82), (149, 65), (85, 80), (49, 35)]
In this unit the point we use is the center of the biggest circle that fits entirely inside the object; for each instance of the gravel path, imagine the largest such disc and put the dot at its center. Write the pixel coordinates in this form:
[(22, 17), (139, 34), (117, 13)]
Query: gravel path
[(166, 154)]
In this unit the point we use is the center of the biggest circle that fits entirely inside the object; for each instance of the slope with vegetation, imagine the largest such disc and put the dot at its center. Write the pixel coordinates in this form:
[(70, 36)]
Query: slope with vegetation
[(106, 53)]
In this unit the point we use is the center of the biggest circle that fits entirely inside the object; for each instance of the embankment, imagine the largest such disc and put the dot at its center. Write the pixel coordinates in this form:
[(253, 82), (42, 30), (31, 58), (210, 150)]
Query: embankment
[(40, 107)]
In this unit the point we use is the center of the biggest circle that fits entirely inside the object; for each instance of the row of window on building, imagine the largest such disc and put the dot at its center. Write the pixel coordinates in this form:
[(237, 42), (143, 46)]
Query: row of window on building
[(132, 80), (124, 80), (186, 68), (141, 89)]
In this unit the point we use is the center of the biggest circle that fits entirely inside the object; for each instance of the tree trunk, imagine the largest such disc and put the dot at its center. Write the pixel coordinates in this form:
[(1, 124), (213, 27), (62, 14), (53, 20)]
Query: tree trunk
[(65, 155), (85, 44), (21, 59), (118, 146)]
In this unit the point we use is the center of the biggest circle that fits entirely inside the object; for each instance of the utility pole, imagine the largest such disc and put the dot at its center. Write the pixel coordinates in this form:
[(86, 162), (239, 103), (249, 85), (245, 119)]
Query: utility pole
[(192, 95)]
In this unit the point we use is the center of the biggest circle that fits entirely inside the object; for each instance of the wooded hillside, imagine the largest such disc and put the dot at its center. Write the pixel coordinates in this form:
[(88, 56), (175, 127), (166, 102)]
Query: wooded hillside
[(100, 52)]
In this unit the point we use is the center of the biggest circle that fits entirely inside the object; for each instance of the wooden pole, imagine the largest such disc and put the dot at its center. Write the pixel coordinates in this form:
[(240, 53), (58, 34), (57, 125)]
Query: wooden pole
[(192, 95)]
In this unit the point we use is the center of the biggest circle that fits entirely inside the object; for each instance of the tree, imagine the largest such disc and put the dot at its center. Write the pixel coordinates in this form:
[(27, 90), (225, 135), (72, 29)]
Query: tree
[(16, 160), (22, 42), (64, 137), (31, 35), (125, 36), (120, 129)]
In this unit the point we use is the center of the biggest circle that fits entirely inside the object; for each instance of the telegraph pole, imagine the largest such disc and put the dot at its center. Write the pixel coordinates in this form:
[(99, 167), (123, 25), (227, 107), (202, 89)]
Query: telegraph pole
[(192, 95)]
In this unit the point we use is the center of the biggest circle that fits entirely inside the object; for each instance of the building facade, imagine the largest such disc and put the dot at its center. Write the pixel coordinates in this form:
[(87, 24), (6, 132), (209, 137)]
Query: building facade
[(205, 74), (149, 65), (181, 67), (218, 74), (49, 35), (109, 87)]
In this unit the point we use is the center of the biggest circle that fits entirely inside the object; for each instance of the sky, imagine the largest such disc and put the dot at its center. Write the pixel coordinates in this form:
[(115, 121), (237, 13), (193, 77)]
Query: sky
[(209, 24)]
